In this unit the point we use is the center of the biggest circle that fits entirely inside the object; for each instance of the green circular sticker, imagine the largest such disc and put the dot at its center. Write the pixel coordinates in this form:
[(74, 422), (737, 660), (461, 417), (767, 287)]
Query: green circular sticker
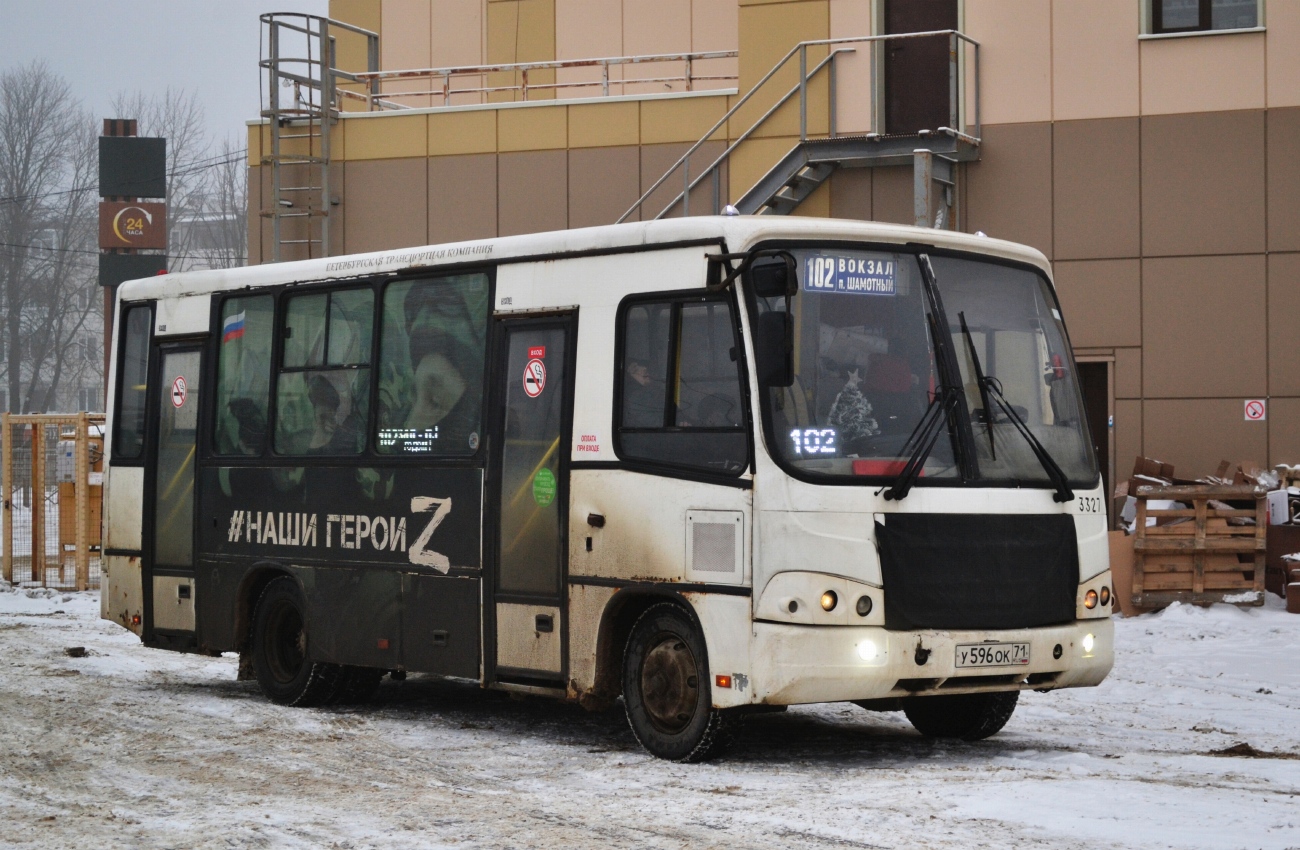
[(544, 487)]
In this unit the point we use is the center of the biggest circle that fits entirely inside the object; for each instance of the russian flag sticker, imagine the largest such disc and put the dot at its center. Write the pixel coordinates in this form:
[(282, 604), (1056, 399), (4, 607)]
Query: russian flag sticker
[(233, 327)]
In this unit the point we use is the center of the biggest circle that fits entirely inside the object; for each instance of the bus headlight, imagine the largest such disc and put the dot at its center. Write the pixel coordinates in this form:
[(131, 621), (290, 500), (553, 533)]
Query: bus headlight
[(829, 600), (867, 650), (1088, 643), (1090, 600)]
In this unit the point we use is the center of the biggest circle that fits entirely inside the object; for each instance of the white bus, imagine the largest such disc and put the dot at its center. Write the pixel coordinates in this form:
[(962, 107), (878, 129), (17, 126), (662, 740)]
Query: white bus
[(710, 465)]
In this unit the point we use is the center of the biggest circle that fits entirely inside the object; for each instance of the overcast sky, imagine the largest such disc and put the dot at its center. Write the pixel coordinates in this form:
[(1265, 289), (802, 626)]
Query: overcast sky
[(103, 47)]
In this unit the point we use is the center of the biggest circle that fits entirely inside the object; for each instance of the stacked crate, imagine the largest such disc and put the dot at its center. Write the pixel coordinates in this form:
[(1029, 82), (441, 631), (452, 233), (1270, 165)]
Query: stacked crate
[(1212, 551)]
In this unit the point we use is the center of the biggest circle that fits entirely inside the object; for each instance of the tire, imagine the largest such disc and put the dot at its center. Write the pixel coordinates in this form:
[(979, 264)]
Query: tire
[(357, 685), (666, 689), (279, 649), (970, 717)]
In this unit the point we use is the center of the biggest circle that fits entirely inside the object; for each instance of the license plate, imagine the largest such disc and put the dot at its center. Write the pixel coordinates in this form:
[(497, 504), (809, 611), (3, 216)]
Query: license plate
[(992, 654)]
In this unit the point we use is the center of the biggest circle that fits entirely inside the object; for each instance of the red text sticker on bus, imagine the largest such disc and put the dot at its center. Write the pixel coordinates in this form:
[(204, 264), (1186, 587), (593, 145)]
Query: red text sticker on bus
[(534, 378), (178, 391), (1256, 410), (537, 351)]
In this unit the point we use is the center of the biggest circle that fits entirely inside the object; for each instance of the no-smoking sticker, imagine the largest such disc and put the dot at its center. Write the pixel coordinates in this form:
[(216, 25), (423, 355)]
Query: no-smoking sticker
[(1256, 410), (178, 391), (534, 378)]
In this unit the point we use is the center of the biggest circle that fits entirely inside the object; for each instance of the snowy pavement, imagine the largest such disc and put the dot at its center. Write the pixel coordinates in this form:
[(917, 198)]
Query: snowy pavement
[(1193, 742)]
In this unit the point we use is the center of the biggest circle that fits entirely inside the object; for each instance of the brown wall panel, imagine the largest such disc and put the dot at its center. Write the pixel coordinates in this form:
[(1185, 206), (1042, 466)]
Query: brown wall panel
[(1009, 191), (1195, 434), (1128, 373), (657, 159), (385, 204), (462, 197), (1283, 180), (891, 195), (603, 183), (1203, 183), (1283, 431), (1102, 301), (1128, 436), (1284, 324), (1096, 181), (533, 192), (1203, 327), (851, 193)]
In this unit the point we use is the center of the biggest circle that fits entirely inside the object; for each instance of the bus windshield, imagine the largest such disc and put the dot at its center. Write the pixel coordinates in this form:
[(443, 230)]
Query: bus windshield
[(865, 370)]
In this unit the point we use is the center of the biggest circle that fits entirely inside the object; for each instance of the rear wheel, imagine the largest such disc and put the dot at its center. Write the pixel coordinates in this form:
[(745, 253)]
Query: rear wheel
[(279, 649), (970, 717), (666, 689)]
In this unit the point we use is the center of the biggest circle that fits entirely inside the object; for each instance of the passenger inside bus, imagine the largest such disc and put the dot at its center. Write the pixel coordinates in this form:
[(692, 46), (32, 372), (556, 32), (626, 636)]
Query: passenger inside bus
[(643, 397)]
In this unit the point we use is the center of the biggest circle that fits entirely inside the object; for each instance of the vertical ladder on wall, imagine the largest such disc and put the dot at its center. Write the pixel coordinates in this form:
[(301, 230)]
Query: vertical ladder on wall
[(300, 85)]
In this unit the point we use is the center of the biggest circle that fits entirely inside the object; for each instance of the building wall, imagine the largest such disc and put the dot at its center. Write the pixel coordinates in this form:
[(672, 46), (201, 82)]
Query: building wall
[(1159, 174)]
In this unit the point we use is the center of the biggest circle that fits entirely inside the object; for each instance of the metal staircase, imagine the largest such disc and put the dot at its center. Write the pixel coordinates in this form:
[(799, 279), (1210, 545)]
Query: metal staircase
[(934, 154), (302, 90)]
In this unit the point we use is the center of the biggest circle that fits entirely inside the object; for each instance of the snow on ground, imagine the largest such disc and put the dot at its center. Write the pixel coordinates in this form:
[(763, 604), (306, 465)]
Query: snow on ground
[(129, 746)]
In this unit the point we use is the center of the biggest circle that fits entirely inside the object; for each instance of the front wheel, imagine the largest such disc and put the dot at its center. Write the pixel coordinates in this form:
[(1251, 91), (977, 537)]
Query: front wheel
[(666, 689), (970, 717), (279, 649)]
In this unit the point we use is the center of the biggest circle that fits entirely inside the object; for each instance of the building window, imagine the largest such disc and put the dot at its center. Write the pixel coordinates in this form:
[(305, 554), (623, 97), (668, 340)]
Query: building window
[(1181, 16)]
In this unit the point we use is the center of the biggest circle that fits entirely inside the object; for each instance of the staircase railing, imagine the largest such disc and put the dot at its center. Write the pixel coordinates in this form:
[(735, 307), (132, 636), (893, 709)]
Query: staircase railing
[(836, 47)]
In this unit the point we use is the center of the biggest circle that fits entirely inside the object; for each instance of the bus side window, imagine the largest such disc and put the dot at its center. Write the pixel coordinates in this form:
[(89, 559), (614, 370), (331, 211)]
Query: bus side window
[(128, 440), (322, 397), (679, 386), (431, 366), (243, 375)]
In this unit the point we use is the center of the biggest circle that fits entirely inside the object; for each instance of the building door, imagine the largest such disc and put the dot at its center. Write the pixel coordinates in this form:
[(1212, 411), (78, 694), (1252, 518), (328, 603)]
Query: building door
[(916, 69), (169, 551), (1094, 380), (531, 494)]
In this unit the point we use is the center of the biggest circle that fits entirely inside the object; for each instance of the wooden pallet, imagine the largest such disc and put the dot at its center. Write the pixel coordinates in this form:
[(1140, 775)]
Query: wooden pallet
[(1193, 554)]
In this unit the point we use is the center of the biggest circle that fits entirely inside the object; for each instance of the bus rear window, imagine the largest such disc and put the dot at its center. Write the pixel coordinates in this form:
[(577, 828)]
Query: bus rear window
[(128, 441)]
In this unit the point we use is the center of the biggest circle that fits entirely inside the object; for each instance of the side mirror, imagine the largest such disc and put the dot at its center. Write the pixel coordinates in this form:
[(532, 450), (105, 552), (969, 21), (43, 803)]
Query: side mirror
[(774, 277), (774, 349)]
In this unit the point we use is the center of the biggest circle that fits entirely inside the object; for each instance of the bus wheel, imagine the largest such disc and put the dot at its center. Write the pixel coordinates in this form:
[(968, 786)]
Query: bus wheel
[(970, 717), (666, 689), (279, 646)]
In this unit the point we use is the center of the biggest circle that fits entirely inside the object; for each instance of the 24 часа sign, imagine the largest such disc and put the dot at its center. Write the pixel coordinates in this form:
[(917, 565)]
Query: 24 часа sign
[(428, 519), (849, 275)]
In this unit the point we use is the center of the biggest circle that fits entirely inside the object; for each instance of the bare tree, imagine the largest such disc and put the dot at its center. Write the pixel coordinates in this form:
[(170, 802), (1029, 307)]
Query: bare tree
[(226, 242), (46, 212)]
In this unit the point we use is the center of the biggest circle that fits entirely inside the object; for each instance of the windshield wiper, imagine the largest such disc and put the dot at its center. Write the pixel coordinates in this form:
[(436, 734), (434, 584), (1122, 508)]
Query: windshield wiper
[(922, 439), (1054, 472), (979, 379)]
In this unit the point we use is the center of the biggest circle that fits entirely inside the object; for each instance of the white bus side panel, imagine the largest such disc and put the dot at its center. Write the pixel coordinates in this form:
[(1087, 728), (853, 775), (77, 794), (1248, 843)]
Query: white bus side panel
[(122, 598)]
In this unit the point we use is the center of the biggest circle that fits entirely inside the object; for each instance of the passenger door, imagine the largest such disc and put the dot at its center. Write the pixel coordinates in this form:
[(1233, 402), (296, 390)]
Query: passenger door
[(169, 498), (530, 492)]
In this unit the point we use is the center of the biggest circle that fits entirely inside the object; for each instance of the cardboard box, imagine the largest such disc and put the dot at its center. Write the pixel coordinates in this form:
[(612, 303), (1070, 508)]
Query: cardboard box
[(1121, 573)]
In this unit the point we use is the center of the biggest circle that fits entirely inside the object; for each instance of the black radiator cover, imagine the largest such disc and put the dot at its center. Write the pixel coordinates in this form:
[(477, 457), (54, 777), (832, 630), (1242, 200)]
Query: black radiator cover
[(978, 571)]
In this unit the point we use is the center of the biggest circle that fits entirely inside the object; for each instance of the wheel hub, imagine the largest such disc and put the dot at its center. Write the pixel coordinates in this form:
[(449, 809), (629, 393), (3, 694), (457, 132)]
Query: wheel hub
[(670, 684)]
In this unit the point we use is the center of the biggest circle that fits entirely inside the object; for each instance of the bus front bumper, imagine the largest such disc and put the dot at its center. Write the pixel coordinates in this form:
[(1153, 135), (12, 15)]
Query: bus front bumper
[(794, 664)]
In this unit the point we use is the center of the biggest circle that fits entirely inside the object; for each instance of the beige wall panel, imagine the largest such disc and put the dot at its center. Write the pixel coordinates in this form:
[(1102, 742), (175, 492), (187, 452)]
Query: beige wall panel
[(1102, 301), (663, 26), (408, 24), (350, 47), (588, 29), (1128, 373), (603, 183), (753, 159), (851, 193), (387, 137), (1095, 68), (520, 31), (891, 195), (816, 205), (1283, 430), (463, 132), (253, 219), (1195, 434), (386, 204), (1283, 179), (457, 34), (1282, 45), (462, 198), (1128, 436), (1203, 327), (1097, 209), (1203, 183), (767, 33), (1015, 39), (604, 124), (532, 128), (681, 120), (1284, 325), (850, 18), (714, 25), (1203, 74), (533, 192), (1009, 191), (256, 132)]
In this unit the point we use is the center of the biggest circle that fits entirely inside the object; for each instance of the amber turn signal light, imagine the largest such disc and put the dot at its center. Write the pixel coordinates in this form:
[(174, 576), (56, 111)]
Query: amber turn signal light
[(722, 681), (1090, 600), (1105, 596)]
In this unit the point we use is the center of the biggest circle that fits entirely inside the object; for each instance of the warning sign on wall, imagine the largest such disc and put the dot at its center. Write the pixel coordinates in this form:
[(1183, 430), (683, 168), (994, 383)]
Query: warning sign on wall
[(1256, 410)]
